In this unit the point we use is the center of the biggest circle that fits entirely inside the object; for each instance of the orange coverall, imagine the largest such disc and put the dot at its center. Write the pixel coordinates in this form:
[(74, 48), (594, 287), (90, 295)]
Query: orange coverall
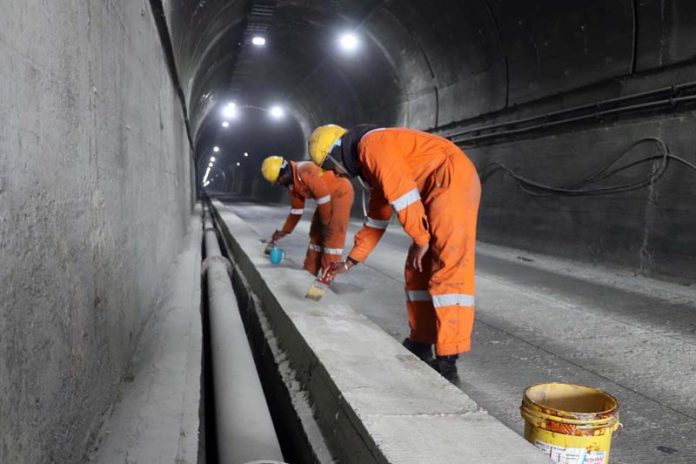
[(334, 197), (435, 190)]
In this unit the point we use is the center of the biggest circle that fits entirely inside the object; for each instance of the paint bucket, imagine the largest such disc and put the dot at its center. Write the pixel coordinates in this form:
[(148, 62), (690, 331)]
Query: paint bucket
[(572, 424), (276, 255)]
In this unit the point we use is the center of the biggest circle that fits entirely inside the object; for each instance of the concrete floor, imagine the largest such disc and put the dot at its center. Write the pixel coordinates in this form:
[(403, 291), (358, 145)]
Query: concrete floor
[(541, 319)]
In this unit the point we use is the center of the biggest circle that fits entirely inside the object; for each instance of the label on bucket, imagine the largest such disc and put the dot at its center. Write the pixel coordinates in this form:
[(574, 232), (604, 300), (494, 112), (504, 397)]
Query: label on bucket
[(563, 455)]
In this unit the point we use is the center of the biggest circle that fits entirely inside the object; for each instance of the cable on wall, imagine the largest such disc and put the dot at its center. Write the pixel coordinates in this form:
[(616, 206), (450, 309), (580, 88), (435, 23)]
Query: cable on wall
[(590, 185)]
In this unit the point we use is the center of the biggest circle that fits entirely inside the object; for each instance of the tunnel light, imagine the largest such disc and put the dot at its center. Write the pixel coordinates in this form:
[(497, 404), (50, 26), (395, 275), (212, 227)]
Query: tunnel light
[(212, 159), (246, 155), (230, 110), (225, 124), (216, 149), (258, 41), (349, 42), (206, 184), (238, 163), (277, 112)]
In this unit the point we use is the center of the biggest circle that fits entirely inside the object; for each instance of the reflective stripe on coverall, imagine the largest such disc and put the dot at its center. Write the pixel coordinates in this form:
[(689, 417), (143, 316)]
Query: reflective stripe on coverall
[(334, 197), (435, 190)]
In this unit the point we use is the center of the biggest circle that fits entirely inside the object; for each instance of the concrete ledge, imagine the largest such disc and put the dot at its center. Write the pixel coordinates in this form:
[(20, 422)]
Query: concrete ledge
[(157, 419), (373, 400)]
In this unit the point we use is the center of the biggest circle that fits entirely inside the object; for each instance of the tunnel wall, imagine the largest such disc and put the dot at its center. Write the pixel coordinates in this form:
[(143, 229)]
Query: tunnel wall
[(95, 197), (450, 66), (649, 230), (553, 56)]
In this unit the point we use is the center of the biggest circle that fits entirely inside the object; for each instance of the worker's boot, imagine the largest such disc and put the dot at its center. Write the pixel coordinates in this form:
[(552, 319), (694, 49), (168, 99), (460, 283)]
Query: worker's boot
[(447, 367), (423, 350)]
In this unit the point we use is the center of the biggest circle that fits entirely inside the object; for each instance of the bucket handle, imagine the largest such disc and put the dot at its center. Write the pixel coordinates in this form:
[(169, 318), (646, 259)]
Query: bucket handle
[(527, 415)]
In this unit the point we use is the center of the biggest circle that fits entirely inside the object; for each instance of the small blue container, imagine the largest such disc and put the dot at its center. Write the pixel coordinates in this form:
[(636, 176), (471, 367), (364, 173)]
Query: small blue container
[(277, 255)]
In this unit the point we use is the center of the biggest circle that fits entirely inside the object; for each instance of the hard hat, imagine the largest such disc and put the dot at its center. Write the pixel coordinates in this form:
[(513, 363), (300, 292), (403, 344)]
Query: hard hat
[(323, 140), (271, 167)]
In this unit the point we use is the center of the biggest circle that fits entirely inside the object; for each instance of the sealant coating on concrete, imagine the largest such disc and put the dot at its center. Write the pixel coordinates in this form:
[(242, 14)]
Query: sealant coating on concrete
[(547, 319), (374, 397)]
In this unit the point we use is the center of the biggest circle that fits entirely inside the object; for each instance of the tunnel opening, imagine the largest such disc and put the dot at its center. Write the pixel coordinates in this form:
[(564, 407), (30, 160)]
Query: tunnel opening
[(234, 153)]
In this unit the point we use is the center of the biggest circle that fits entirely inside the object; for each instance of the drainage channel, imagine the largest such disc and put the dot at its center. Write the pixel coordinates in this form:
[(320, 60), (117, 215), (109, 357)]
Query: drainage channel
[(252, 412)]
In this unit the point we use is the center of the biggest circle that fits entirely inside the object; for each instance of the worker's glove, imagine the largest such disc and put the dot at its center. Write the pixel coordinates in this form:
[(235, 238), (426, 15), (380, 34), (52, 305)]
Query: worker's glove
[(277, 235)]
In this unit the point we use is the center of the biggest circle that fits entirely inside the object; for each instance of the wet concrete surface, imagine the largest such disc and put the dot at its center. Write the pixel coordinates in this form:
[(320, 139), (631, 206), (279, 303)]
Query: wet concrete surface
[(541, 319)]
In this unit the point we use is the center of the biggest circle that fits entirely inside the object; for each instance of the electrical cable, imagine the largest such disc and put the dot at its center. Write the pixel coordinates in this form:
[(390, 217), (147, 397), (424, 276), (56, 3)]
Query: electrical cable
[(587, 186)]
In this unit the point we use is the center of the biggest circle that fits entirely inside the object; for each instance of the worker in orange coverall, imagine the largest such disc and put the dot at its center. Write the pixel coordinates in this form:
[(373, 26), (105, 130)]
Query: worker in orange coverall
[(334, 197), (435, 190)]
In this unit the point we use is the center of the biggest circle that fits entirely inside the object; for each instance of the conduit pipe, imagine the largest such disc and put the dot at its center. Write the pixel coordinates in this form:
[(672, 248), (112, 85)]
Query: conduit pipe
[(624, 109), (596, 108), (245, 431)]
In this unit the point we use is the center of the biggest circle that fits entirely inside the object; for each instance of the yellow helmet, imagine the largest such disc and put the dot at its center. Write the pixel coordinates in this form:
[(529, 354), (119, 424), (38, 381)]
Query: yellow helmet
[(322, 141), (270, 168)]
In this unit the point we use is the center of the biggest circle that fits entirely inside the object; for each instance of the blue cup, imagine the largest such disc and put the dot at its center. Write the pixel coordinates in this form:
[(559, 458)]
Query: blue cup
[(277, 255)]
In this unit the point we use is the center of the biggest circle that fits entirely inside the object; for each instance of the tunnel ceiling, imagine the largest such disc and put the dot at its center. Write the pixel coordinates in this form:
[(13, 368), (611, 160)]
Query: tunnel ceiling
[(421, 63)]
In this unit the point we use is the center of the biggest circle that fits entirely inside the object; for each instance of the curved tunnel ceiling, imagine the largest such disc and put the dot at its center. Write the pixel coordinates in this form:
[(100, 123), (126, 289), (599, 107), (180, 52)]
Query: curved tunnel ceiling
[(423, 64)]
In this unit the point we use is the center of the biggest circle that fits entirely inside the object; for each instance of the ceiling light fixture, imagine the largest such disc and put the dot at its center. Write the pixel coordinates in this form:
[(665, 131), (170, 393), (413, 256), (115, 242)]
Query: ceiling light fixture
[(349, 42), (230, 110), (277, 112)]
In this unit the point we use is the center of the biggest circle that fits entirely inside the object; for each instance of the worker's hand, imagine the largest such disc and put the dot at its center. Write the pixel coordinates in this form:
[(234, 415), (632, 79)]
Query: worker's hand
[(416, 257), (277, 235), (334, 269)]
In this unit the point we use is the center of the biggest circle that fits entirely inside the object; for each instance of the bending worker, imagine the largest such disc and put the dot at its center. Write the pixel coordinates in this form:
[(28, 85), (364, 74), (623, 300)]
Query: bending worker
[(334, 197), (434, 189)]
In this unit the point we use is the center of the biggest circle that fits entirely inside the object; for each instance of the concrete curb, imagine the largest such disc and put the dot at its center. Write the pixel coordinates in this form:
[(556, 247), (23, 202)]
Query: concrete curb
[(374, 401), (157, 419)]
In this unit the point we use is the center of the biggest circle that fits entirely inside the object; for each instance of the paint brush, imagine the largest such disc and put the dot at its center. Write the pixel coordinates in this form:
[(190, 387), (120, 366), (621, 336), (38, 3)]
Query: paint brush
[(317, 289)]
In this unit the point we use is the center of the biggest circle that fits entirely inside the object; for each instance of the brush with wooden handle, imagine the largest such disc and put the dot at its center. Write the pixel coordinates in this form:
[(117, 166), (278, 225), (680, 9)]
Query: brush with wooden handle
[(317, 289)]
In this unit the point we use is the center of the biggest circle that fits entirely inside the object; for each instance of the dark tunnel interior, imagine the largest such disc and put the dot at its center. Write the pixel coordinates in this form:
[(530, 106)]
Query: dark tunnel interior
[(119, 118), (234, 153), (454, 68)]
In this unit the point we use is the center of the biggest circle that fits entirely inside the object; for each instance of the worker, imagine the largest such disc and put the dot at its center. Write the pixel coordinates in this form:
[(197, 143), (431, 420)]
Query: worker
[(435, 190), (334, 198)]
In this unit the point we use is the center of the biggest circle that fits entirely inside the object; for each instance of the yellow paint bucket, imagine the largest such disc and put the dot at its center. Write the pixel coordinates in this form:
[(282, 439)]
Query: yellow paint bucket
[(572, 424)]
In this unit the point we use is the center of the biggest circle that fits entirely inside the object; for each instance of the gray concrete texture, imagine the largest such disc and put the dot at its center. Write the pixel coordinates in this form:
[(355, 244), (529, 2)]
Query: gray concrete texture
[(541, 319), (94, 202), (374, 401), (156, 419), (649, 230)]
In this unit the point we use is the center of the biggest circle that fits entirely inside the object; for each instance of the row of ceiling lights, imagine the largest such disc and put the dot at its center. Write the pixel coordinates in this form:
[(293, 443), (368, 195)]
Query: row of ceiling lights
[(211, 163), (348, 42)]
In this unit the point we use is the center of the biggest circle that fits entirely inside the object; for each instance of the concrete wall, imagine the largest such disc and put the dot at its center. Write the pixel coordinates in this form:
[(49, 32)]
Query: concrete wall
[(94, 200), (649, 230)]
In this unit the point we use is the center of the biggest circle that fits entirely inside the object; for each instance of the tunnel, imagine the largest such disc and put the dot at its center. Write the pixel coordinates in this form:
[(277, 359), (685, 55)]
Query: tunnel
[(131, 130)]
